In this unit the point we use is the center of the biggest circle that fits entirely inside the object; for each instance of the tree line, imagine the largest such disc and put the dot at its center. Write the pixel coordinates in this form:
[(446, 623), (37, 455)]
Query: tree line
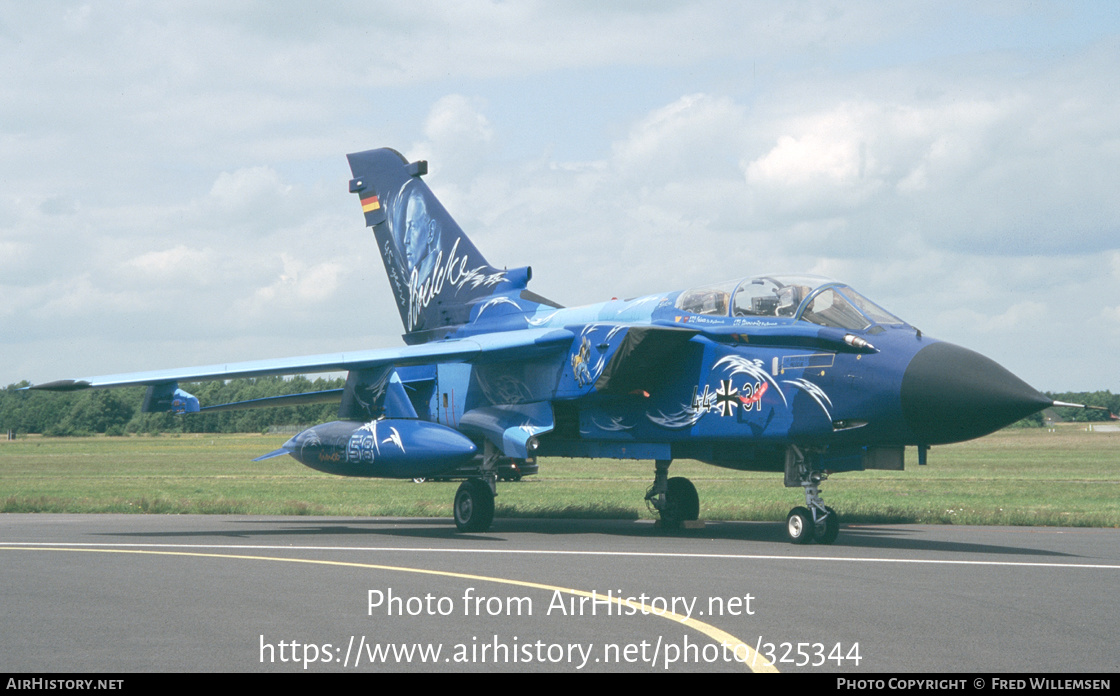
[(117, 411)]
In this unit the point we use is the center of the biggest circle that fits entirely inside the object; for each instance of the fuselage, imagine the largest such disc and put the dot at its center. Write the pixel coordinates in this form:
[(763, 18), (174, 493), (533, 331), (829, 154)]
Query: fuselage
[(769, 362)]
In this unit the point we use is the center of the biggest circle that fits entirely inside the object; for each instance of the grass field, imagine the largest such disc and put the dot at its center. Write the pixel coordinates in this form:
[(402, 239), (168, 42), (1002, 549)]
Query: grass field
[(1016, 477)]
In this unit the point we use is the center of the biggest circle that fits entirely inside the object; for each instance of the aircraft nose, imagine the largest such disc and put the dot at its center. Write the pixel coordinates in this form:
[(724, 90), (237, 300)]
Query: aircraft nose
[(951, 394)]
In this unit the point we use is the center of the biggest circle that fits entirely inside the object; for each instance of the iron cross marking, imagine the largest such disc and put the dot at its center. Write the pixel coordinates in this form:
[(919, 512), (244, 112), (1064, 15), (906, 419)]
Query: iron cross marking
[(726, 398)]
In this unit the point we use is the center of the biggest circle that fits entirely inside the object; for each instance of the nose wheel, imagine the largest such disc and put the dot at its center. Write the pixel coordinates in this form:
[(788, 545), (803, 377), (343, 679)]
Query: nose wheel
[(826, 530), (799, 526), (804, 526)]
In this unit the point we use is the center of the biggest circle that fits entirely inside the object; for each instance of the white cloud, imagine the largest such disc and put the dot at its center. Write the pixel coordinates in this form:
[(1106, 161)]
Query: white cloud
[(689, 138), (176, 264), (247, 187), (457, 136), (935, 156), (1023, 316), (298, 286), (854, 154), (13, 254), (1111, 317), (456, 120)]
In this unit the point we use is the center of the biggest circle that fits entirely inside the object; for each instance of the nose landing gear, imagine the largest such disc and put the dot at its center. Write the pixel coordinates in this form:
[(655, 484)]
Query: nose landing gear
[(816, 521)]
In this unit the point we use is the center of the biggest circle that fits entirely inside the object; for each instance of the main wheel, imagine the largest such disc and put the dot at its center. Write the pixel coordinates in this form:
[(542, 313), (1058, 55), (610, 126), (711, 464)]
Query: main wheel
[(826, 530), (682, 503), (474, 506), (799, 526)]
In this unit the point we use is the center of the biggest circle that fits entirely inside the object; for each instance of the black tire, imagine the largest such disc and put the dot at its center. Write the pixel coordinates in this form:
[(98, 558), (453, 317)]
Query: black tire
[(682, 503), (799, 526), (825, 532), (474, 506)]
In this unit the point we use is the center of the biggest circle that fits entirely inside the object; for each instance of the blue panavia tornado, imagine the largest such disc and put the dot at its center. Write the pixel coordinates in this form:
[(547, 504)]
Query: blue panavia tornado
[(785, 373)]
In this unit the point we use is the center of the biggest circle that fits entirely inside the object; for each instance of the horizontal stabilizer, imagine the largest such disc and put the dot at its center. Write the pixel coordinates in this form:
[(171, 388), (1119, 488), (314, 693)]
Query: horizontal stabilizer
[(320, 397)]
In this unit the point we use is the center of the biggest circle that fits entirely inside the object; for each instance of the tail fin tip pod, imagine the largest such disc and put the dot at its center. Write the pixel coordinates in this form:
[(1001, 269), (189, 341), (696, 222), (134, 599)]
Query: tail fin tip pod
[(434, 270)]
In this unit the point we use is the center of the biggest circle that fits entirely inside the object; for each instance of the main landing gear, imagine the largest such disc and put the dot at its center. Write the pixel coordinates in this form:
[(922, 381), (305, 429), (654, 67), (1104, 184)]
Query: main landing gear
[(474, 501), (675, 499), (474, 506), (816, 521)]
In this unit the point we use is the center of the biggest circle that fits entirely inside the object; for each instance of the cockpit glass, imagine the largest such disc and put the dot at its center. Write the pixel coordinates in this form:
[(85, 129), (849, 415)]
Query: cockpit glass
[(870, 310), (757, 298), (711, 299), (773, 296), (812, 298), (830, 308)]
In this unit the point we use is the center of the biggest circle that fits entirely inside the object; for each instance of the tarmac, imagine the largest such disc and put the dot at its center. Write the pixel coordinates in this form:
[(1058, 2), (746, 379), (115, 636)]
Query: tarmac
[(219, 593)]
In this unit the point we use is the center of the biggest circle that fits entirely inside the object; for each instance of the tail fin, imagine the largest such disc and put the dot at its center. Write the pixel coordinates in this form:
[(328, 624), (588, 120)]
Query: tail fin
[(436, 273)]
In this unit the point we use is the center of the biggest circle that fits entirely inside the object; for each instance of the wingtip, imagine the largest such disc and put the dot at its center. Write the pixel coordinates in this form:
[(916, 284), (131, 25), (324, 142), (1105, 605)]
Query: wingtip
[(62, 385)]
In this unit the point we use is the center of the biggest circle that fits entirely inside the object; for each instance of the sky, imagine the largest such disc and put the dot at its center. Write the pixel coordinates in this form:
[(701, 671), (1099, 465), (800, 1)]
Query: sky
[(173, 180)]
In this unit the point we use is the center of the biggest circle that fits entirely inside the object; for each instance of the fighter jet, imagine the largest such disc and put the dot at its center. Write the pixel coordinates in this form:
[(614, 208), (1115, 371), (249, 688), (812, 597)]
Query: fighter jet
[(795, 374)]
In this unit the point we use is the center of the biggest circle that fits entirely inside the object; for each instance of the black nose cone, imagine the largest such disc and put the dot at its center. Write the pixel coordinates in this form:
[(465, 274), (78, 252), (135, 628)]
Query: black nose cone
[(951, 394)]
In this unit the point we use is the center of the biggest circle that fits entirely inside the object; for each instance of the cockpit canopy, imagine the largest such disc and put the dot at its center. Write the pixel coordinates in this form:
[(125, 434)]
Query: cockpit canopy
[(809, 298)]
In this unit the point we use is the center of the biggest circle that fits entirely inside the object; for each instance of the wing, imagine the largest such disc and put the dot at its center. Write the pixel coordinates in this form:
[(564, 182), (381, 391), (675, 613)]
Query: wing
[(163, 385)]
